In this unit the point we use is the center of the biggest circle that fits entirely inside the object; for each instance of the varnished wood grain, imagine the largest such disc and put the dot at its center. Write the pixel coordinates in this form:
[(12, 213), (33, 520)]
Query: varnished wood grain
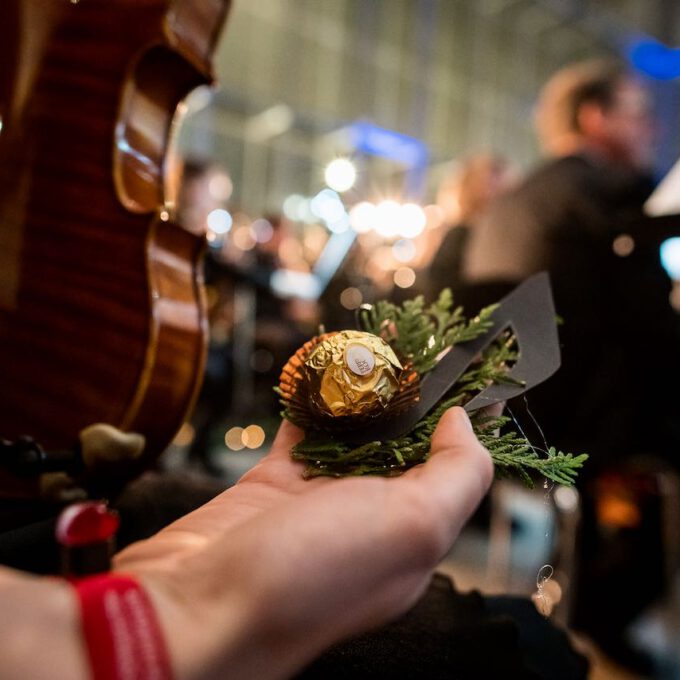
[(106, 320)]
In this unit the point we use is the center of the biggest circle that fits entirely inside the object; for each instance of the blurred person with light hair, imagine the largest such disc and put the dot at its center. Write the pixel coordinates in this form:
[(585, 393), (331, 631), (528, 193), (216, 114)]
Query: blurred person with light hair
[(579, 215), (463, 196)]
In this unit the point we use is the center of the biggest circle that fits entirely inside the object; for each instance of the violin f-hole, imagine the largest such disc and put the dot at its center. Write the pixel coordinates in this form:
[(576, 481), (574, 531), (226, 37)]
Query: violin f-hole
[(150, 110)]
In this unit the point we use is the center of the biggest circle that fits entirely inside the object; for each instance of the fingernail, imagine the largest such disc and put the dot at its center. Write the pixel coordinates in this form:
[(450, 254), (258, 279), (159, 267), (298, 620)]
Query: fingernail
[(465, 418)]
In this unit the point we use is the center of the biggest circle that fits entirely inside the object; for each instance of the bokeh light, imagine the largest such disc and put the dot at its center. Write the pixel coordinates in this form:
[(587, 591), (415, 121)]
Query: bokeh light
[(243, 238), (340, 174), (387, 218), (351, 298), (262, 230), (253, 437), (362, 217), (234, 439), (412, 220), (219, 221), (220, 187), (404, 277), (623, 245), (670, 257)]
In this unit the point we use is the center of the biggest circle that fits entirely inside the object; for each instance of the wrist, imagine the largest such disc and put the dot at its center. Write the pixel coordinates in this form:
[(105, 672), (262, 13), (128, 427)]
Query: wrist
[(232, 628), (209, 630), (120, 629)]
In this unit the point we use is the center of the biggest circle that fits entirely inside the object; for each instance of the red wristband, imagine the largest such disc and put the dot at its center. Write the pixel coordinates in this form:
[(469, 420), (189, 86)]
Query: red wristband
[(123, 638)]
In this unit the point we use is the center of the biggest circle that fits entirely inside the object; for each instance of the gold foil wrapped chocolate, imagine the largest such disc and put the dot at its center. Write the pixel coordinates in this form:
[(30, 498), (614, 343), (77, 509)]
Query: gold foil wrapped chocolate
[(338, 379), (352, 373)]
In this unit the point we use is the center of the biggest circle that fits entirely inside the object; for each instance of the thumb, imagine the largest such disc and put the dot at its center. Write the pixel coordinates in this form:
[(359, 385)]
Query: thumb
[(459, 470)]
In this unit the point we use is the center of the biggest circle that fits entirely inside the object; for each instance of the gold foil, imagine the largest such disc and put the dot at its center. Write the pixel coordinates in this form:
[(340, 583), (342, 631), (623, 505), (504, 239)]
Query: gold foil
[(352, 373)]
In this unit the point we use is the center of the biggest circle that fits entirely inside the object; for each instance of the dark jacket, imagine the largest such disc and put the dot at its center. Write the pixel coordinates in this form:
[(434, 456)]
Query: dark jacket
[(616, 392)]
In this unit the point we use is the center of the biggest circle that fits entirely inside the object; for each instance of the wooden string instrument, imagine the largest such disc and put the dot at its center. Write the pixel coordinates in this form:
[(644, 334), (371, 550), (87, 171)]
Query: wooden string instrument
[(102, 317)]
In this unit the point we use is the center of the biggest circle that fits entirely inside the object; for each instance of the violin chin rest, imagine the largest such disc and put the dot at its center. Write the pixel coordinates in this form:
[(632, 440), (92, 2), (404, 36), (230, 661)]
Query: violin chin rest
[(104, 443)]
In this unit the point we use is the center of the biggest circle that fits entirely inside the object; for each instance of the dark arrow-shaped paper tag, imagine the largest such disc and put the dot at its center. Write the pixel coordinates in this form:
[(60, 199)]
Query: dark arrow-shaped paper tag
[(529, 312)]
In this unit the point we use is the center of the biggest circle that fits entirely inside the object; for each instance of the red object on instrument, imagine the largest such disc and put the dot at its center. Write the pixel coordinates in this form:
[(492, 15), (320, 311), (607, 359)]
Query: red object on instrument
[(86, 523)]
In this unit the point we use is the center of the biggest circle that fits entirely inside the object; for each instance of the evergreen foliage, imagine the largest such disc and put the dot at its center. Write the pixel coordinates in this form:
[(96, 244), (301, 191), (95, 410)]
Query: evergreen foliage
[(419, 335)]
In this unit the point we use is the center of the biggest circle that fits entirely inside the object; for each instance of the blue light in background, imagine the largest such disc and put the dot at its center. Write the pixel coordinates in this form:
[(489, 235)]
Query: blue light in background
[(378, 141), (670, 257), (409, 151), (655, 59)]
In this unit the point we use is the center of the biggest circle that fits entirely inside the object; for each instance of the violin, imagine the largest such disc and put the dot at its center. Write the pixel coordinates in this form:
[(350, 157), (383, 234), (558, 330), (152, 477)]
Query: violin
[(102, 311)]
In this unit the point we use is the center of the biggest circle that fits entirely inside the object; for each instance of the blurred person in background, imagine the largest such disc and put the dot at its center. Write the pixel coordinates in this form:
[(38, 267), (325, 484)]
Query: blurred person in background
[(463, 196), (579, 215)]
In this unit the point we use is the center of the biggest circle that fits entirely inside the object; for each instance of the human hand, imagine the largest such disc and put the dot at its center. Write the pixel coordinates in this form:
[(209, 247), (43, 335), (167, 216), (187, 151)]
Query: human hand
[(268, 574)]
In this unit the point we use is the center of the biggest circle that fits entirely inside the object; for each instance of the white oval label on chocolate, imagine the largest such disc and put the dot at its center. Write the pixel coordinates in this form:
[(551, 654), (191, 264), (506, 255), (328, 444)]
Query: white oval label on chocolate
[(360, 359)]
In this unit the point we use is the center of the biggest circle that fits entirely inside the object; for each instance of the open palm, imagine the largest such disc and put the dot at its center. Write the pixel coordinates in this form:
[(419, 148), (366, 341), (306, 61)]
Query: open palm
[(307, 562)]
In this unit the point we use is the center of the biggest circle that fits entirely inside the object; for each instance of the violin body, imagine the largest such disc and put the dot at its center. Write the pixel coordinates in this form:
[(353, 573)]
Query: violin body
[(102, 316)]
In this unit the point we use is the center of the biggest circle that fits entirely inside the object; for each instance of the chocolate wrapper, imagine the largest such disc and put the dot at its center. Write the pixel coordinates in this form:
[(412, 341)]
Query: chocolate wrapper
[(343, 379), (352, 373)]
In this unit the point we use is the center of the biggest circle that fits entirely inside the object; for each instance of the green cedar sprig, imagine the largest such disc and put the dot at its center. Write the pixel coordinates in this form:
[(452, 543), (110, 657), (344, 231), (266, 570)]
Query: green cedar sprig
[(420, 334)]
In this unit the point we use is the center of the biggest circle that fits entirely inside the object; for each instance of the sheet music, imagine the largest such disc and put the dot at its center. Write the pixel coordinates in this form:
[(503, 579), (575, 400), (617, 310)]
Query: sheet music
[(665, 200)]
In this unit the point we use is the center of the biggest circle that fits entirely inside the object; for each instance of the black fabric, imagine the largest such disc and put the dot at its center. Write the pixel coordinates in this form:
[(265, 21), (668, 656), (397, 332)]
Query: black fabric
[(145, 506), (30, 547), (449, 635), (620, 338), (615, 396), (445, 270)]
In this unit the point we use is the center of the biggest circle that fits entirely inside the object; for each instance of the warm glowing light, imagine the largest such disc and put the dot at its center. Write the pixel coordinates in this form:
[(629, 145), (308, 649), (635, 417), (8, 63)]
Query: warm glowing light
[(412, 220), (387, 218), (253, 437), (362, 217), (262, 230), (164, 215), (243, 238), (566, 498), (404, 277), (219, 221), (340, 174), (220, 187), (404, 250), (623, 245), (351, 298), (234, 439), (185, 435)]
